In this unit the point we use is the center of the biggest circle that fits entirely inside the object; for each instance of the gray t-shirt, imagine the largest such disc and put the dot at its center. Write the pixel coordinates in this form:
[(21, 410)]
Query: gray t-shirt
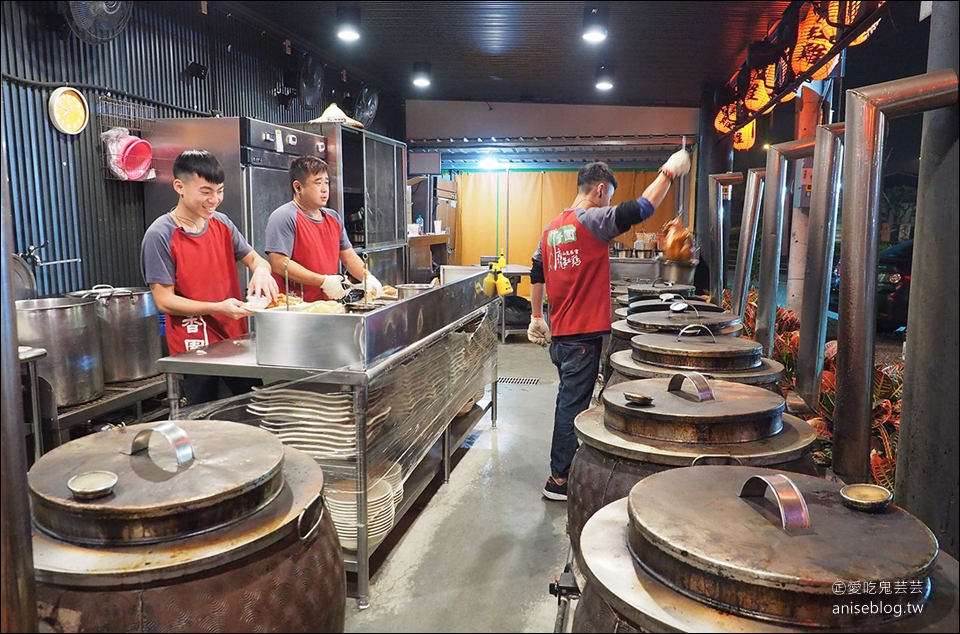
[(282, 228), (600, 221), (156, 258)]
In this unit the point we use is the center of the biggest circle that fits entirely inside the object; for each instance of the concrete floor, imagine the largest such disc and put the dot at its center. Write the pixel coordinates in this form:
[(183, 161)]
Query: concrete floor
[(478, 553)]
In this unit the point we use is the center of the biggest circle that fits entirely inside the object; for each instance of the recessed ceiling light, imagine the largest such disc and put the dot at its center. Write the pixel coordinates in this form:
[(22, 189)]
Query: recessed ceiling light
[(595, 15), (421, 74), (348, 23)]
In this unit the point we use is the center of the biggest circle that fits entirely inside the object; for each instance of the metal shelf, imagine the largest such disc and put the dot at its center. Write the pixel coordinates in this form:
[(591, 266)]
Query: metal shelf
[(116, 396)]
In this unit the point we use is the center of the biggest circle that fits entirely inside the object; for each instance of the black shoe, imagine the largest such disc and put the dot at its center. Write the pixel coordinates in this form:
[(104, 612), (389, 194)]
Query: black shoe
[(554, 491)]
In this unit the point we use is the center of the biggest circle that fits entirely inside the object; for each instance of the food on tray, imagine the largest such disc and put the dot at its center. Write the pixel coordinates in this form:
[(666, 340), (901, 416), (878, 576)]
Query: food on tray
[(327, 307), (388, 291), (283, 299)]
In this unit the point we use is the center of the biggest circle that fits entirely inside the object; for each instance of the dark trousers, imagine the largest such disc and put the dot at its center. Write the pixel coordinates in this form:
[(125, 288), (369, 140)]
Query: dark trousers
[(578, 363), (196, 388)]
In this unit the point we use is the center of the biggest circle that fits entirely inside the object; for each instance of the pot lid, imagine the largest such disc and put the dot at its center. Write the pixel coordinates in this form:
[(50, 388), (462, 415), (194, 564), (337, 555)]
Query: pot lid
[(659, 304), (670, 321), (172, 480), (102, 291), (766, 374), (793, 442), (777, 547), (689, 408), (655, 289), (24, 281), (620, 328), (687, 352)]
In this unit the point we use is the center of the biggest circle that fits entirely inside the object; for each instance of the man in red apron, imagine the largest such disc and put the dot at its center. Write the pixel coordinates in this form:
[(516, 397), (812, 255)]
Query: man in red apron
[(572, 264), (189, 258), (306, 241)]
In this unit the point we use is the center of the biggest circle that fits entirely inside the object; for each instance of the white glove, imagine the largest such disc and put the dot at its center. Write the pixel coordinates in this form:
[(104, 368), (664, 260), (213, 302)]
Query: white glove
[(332, 287), (678, 164), (372, 286), (538, 332)]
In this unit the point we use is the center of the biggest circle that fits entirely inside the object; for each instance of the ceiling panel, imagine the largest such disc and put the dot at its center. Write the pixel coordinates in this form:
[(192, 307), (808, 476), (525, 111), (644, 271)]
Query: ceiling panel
[(662, 52)]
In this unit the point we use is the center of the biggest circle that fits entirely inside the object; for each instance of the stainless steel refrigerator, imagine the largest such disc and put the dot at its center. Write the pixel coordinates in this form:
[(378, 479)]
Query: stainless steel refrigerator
[(255, 156)]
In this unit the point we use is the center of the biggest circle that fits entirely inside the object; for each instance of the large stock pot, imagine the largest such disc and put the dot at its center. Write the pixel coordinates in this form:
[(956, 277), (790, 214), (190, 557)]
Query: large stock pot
[(67, 329), (129, 326), (193, 526)]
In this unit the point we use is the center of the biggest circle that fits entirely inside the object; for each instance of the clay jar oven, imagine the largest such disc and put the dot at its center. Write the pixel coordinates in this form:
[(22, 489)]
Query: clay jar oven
[(210, 526)]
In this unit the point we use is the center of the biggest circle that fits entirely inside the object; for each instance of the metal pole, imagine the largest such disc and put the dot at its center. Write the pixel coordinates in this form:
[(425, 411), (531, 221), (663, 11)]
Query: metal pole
[(824, 203), (19, 587), (772, 237), (748, 238), (929, 442), (718, 239), (867, 110)]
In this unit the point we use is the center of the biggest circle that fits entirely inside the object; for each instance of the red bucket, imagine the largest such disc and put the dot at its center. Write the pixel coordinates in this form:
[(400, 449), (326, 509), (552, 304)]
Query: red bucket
[(134, 156)]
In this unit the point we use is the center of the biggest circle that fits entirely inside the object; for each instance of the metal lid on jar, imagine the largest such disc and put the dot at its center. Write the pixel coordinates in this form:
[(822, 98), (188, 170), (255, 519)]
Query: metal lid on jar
[(655, 289), (689, 408), (171, 480), (621, 329), (766, 375), (687, 351), (779, 547), (677, 320), (659, 304)]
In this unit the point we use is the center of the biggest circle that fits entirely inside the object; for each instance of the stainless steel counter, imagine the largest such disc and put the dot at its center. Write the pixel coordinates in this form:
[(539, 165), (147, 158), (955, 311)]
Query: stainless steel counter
[(407, 384)]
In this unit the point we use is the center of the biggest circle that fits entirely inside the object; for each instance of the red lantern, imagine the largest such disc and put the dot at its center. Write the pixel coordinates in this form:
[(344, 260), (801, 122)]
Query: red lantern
[(726, 118), (745, 137), (758, 95), (814, 39)]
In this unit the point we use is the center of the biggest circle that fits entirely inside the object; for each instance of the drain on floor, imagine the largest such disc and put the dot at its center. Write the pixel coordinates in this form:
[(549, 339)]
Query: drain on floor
[(518, 380)]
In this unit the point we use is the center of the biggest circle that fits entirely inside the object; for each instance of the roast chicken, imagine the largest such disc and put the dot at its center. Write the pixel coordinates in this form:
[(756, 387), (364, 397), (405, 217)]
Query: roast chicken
[(678, 241)]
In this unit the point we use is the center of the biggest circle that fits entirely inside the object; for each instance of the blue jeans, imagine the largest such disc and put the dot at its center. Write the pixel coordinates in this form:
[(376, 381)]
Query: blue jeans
[(578, 363)]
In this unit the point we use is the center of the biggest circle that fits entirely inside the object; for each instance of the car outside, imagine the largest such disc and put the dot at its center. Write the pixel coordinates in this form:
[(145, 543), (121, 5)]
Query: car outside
[(893, 285)]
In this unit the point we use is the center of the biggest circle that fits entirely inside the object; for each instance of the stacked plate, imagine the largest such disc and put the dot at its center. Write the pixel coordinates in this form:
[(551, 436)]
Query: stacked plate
[(322, 425), (394, 476), (341, 499)]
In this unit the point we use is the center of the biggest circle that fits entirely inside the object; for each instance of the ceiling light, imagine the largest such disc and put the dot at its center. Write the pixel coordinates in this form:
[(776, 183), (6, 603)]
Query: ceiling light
[(348, 23), (595, 16), (604, 76), (421, 74), (488, 163)]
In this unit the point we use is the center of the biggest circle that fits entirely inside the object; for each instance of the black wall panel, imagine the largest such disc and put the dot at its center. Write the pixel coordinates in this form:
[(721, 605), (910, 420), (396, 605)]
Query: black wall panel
[(62, 195)]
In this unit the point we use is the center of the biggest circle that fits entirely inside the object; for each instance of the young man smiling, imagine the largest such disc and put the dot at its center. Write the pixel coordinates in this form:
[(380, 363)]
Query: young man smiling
[(188, 257)]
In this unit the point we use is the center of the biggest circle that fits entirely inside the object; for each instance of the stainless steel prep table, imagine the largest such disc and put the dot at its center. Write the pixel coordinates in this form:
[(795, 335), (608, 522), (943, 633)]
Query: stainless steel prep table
[(469, 316)]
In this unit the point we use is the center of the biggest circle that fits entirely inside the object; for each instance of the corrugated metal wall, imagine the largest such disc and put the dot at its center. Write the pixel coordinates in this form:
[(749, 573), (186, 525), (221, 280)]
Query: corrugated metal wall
[(61, 194)]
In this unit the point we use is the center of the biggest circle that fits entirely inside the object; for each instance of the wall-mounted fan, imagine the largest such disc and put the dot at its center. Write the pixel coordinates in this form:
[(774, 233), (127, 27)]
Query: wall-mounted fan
[(97, 21), (365, 110), (311, 81)]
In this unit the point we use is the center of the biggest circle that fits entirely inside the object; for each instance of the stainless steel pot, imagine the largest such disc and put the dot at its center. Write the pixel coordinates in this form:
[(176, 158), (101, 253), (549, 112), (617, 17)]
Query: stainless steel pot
[(409, 290), (129, 327), (676, 271), (67, 329)]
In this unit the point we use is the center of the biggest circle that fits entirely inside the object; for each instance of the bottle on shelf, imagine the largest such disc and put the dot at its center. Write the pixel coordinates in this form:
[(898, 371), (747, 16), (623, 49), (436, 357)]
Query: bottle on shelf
[(420, 225)]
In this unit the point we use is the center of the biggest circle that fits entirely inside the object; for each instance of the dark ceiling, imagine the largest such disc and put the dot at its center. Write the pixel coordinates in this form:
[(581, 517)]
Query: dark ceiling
[(662, 52)]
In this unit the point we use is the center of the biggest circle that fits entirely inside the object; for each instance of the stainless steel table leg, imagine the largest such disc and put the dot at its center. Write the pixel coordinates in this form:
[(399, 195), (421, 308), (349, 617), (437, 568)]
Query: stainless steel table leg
[(173, 395), (35, 410), (493, 404), (446, 455)]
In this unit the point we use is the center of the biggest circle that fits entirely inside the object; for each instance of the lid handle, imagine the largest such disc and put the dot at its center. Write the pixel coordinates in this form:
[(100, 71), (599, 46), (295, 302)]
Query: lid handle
[(720, 459), (793, 508), (704, 391), (174, 434), (692, 327), (314, 509)]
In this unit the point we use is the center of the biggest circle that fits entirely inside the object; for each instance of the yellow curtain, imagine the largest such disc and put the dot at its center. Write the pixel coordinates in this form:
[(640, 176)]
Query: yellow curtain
[(535, 198)]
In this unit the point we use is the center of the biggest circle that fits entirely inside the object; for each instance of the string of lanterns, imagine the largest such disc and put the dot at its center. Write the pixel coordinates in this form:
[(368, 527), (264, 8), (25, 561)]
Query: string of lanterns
[(798, 43)]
